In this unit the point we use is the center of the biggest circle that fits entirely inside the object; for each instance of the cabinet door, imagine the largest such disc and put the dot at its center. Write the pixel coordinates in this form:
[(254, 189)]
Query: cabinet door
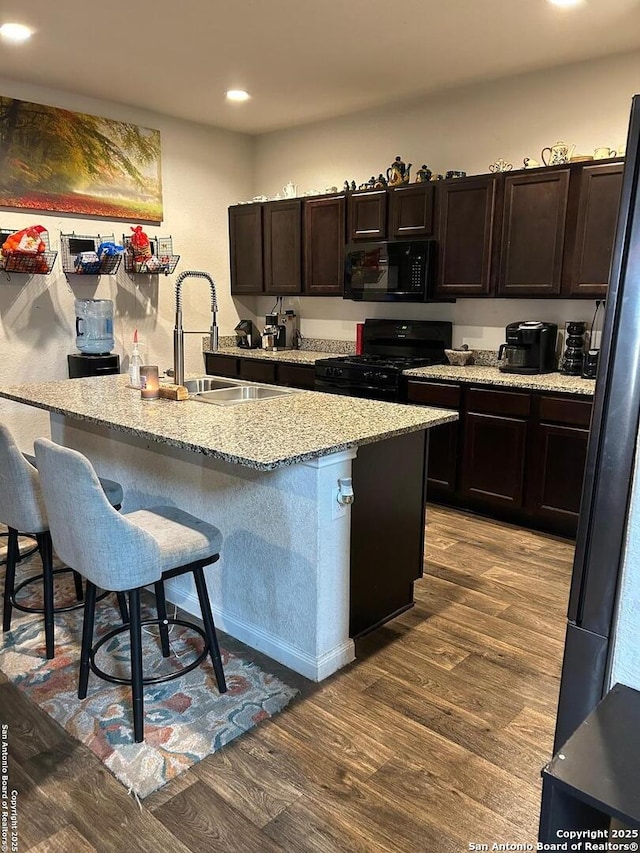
[(221, 365), (256, 370), (411, 211), (556, 472), (296, 375), (245, 248), (367, 215), (494, 459), (282, 247), (323, 240), (466, 236), (442, 464), (533, 233), (600, 188)]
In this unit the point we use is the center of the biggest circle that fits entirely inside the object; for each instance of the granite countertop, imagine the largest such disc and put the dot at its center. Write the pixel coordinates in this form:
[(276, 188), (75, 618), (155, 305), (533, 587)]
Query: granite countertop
[(264, 434), (478, 374), (289, 356), (472, 373)]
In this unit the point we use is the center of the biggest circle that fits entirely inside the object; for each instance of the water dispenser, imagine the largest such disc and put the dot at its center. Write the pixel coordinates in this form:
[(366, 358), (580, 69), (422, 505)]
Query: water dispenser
[(94, 326)]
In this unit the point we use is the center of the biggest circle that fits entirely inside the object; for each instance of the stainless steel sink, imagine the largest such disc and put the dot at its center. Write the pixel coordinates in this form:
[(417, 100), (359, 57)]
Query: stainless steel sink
[(208, 383), (243, 394)]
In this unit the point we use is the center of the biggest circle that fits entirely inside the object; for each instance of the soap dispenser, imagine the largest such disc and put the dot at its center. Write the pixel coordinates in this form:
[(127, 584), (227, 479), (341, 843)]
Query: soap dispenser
[(134, 363)]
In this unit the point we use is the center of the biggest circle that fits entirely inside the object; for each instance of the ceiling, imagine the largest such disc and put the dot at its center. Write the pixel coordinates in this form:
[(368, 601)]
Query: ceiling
[(301, 60)]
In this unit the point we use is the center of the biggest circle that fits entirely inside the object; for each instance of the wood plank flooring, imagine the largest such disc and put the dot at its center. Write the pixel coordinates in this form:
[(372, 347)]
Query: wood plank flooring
[(432, 740)]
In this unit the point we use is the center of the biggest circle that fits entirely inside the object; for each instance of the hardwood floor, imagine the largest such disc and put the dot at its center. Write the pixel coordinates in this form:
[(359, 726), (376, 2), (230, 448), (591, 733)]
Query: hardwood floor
[(432, 740)]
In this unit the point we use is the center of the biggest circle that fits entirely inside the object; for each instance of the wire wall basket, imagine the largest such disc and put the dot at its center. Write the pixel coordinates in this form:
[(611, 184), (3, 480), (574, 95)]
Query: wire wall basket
[(162, 259), (38, 263), (81, 255)]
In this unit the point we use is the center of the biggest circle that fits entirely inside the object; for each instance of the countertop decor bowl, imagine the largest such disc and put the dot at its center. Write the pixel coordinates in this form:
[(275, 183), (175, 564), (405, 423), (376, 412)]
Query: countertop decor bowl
[(459, 357)]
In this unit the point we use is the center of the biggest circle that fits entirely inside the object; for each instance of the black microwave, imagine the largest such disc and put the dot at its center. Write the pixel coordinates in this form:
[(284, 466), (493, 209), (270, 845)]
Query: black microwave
[(390, 272)]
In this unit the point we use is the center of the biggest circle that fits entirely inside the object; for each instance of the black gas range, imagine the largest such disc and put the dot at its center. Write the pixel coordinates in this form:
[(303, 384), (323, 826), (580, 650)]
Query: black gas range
[(390, 347)]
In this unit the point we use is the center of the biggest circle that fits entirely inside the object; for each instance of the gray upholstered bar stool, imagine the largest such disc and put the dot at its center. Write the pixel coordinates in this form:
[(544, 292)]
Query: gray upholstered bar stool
[(23, 511), (124, 552)]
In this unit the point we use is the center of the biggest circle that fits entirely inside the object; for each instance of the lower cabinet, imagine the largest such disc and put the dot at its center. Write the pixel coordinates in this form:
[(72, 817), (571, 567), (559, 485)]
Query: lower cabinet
[(495, 438), (493, 459), (259, 370), (517, 455)]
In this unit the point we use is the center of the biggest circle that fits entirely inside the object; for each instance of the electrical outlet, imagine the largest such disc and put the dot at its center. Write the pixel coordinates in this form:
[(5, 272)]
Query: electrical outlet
[(338, 510)]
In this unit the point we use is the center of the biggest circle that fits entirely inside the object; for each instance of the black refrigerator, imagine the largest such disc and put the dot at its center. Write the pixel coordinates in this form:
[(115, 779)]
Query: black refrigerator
[(602, 528)]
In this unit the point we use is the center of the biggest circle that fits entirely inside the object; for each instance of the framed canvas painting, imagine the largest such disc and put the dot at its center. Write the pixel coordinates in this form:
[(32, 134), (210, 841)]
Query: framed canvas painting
[(75, 163)]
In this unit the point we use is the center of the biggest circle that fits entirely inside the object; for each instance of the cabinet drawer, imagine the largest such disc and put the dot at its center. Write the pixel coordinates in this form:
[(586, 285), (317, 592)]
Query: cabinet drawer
[(564, 411), (499, 402), (220, 365), (257, 371), (434, 394), (297, 376)]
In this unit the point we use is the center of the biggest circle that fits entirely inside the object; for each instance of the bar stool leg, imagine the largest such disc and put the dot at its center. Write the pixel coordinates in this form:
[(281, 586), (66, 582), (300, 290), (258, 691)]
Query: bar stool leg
[(161, 606), (210, 628), (46, 554), (87, 638), (10, 577), (77, 579), (122, 604), (135, 632)]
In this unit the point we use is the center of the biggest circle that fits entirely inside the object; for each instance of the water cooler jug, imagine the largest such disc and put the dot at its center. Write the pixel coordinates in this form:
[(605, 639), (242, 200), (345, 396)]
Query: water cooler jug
[(94, 339)]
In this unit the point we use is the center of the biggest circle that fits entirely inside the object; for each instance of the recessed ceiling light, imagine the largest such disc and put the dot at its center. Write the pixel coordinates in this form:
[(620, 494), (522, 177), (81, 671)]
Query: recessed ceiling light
[(15, 32), (237, 95), (565, 4)]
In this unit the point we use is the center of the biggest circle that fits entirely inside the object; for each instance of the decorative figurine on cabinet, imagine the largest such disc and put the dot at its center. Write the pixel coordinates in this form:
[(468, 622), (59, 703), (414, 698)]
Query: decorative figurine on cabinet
[(381, 182), (398, 173), (423, 174)]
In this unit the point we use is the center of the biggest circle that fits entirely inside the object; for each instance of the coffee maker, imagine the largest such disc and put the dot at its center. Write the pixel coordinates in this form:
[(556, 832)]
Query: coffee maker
[(530, 347), (247, 336)]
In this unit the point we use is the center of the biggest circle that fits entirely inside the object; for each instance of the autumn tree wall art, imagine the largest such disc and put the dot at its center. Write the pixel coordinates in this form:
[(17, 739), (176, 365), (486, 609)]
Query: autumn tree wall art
[(54, 159)]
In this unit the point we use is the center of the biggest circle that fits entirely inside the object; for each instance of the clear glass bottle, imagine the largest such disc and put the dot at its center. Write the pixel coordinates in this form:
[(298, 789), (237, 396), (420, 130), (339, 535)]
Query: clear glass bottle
[(134, 363)]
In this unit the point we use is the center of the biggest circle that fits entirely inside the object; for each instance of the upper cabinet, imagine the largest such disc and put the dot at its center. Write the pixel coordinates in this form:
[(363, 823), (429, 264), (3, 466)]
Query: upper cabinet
[(466, 228), (323, 241), (367, 215), (533, 233), (599, 200), (245, 248), (411, 211), (282, 233), (544, 232)]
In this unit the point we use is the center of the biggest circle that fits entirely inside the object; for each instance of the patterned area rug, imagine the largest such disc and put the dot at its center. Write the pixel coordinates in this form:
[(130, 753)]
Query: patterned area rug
[(185, 720)]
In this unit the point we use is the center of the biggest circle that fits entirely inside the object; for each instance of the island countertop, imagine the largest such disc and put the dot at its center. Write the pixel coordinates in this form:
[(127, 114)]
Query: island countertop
[(263, 434)]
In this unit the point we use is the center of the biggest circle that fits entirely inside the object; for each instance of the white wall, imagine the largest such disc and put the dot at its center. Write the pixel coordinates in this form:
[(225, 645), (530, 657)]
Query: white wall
[(204, 170), (466, 128)]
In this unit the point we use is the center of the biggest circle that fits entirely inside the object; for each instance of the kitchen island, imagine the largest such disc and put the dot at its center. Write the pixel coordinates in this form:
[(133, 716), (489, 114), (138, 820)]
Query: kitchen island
[(266, 473)]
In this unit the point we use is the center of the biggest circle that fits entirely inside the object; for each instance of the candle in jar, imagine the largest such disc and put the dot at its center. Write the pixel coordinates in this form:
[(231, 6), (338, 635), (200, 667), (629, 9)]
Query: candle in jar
[(149, 382)]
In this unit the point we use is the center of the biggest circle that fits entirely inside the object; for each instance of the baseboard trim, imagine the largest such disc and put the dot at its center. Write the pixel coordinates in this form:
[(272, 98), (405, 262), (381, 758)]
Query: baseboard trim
[(315, 669)]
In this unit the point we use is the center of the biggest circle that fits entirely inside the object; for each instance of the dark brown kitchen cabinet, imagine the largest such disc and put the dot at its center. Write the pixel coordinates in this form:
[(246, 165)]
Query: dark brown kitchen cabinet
[(513, 454), (367, 215), (466, 228), (323, 246), (296, 375), (493, 459), (245, 248), (557, 458), (600, 188), (282, 234), (256, 370), (221, 365), (533, 233), (442, 466), (411, 211)]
